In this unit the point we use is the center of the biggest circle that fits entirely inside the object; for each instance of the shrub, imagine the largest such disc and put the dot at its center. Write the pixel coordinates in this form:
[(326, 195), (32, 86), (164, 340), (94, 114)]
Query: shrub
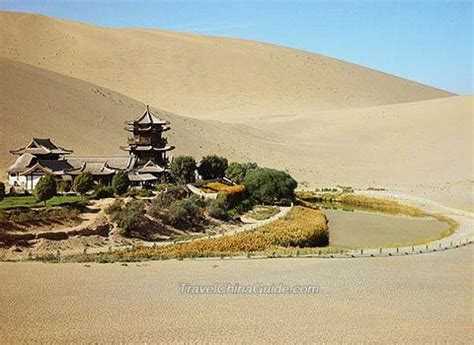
[(145, 193), (269, 185), (217, 208), (114, 209), (131, 217), (212, 167), (120, 182), (103, 192), (183, 167), (234, 193), (45, 189), (302, 228), (237, 171), (64, 186), (183, 213), (160, 203), (83, 183)]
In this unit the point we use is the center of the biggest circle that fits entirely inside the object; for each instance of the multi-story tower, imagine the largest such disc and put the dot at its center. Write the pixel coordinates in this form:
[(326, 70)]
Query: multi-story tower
[(148, 144)]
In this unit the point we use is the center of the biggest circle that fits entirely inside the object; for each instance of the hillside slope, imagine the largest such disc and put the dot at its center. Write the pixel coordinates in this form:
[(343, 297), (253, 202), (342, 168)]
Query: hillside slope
[(90, 119), (425, 148), (201, 76)]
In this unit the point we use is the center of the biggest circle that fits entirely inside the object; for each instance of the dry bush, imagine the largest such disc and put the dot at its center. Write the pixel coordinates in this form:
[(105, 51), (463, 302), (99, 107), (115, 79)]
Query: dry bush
[(303, 227)]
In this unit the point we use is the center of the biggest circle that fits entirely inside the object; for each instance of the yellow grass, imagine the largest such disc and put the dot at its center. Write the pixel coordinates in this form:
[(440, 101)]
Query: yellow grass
[(303, 227)]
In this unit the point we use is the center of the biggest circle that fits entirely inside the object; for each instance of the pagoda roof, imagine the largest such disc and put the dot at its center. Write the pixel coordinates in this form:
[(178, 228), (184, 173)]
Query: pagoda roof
[(40, 147), (133, 177), (51, 167), (113, 162), (96, 169), (147, 148), (23, 162), (148, 118), (150, 167)]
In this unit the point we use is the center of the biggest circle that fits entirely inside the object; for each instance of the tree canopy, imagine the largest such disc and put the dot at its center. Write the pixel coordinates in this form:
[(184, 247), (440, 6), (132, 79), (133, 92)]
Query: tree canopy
[(83, 183), (212, 166), (237, 171), (120, 182), (269, 185), (183, 167), (45, 189), (2, 191)]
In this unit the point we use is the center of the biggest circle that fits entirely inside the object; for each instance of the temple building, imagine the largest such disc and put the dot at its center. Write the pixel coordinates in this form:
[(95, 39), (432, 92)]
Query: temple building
[(146, 163)]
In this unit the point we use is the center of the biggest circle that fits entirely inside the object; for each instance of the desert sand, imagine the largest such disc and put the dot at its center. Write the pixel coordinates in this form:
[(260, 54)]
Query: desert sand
[(326, 121), (200, 76), (424, 148), (413, 299)]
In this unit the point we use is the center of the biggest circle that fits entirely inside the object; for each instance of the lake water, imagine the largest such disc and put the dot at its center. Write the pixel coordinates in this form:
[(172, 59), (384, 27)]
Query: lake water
[(370, 229)]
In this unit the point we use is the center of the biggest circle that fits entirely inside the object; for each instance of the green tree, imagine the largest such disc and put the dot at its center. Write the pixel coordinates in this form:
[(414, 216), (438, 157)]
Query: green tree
[(83, 183), (2, 191), (120, 182), (237, 171), (212, 167), (269, 185), (45, 189), (183, 167), (64, 186)]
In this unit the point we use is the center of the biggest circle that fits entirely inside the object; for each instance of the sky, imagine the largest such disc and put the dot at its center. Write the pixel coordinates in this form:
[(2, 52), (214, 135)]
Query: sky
[(429, 41)]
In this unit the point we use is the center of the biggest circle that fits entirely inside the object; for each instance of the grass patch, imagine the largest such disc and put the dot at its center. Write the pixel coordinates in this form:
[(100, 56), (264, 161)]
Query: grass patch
[(262, 212), (11, 202)]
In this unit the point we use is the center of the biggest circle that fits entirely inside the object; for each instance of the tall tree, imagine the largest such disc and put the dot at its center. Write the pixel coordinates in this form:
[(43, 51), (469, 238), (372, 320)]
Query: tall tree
[(2, 191), (83, 183), (183, 167), (212, 167), (120, 182), (45, 189)]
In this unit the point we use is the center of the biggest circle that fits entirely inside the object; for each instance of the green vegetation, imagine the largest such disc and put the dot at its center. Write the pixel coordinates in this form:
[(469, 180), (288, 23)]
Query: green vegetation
[(120, 183), (183, 167), (218, 208), (269, 185), (212, 167), (83, 183), (41, 216), (11, 202), (130, 217), (2, 191), (102, 192), (45, 189), (64, 186), (184, 213), (302, 228), (237, 171), (263, 212)]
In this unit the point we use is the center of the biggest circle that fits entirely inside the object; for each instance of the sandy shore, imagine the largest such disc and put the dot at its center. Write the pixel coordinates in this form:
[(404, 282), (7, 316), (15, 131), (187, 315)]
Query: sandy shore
[(420, 298)]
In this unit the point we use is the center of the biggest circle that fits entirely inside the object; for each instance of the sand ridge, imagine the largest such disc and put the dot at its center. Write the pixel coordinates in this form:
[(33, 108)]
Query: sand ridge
[(201, 76)]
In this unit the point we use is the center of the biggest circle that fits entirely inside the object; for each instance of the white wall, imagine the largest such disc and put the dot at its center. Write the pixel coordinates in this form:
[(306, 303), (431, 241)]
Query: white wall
[(27, 182)]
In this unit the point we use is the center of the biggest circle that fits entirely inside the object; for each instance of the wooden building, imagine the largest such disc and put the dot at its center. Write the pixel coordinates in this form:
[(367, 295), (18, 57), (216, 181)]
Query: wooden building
[(146, 163)]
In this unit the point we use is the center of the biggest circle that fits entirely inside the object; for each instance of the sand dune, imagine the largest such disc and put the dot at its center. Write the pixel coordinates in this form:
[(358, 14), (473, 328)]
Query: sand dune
[(90, 119), (201, 76), (424, 148)]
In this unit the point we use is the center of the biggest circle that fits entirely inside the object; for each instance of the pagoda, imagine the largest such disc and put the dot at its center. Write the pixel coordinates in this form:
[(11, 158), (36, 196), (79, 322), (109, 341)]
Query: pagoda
[(148, 146)]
